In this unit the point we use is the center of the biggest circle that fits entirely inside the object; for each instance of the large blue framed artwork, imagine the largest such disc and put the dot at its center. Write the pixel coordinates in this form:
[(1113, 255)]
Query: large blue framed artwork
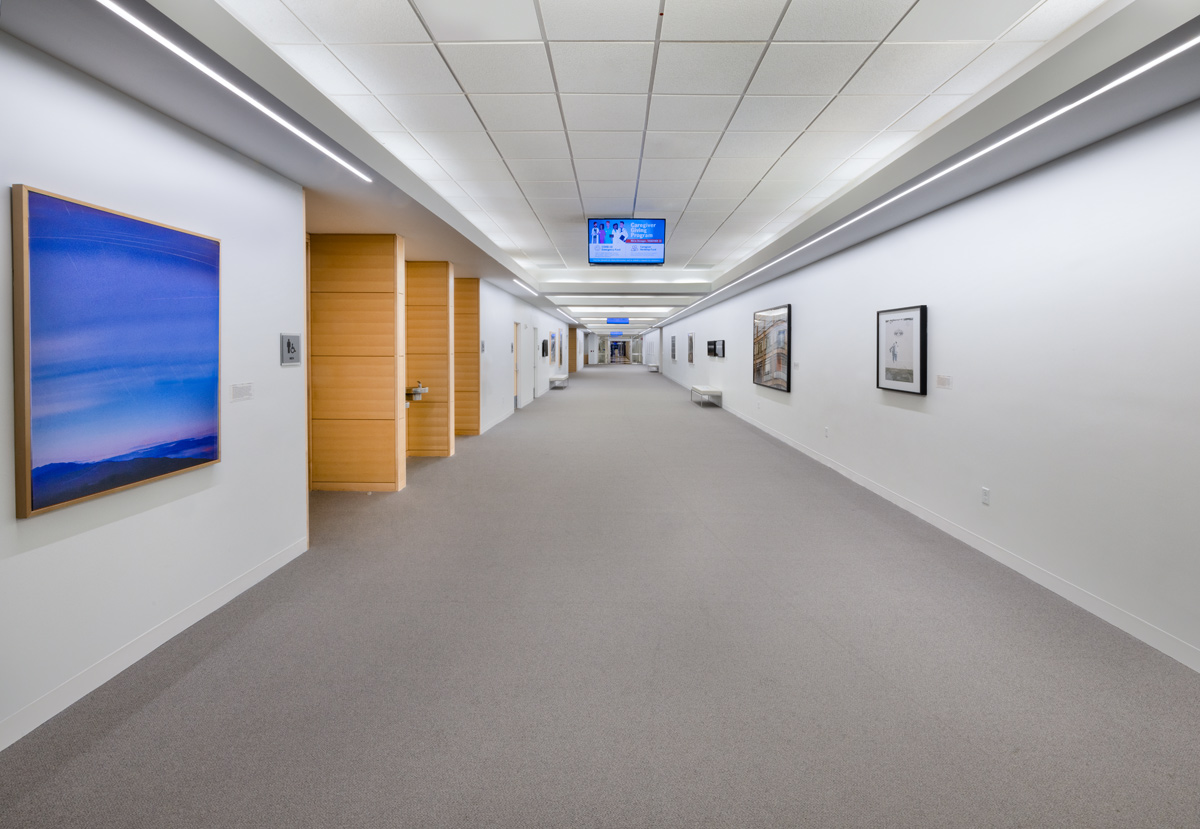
[(118, 340)]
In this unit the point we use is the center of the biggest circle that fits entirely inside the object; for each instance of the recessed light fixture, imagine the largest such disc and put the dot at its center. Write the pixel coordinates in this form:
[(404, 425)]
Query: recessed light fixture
[(526, 287), (1108, 87), (236, 90)]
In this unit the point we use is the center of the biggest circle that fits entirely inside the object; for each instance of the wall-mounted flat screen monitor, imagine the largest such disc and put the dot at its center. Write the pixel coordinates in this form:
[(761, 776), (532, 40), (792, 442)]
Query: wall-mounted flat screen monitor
[(627, 241)]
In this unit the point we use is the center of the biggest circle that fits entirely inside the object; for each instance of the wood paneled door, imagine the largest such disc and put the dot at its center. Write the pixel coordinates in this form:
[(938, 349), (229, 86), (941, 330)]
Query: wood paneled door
[(430, 357)]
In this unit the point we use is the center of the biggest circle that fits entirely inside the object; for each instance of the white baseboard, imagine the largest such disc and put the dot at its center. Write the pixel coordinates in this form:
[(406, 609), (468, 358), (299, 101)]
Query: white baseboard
[(74, 689), (1135, 626)]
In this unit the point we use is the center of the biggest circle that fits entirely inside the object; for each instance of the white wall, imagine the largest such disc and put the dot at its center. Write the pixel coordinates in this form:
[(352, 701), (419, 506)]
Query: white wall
[(1063, 304), (87, 590), (498, 310)]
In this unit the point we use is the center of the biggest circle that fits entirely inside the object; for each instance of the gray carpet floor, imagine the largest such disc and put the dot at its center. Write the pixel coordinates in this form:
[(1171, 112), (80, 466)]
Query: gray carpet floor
[(620, 609)]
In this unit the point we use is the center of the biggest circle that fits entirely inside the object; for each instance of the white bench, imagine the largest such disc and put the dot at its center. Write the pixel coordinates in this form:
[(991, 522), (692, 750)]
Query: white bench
[(706, 393), (652, 366), (559, 381)]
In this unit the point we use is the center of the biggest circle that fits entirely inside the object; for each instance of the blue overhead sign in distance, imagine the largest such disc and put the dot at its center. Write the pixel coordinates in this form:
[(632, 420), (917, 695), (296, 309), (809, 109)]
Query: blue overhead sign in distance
[(618, 320), (616, 333), (626, 241)]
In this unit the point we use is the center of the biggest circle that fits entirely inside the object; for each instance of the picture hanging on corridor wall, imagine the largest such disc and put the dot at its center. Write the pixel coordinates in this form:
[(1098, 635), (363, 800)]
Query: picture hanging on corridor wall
[(553, 347), (900, 350), (117, 324), (672, 346), (562, 345), (691, 345), (772, 348)]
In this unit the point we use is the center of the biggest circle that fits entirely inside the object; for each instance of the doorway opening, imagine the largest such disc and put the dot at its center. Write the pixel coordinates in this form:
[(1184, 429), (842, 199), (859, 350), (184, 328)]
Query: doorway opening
[(618, 352)]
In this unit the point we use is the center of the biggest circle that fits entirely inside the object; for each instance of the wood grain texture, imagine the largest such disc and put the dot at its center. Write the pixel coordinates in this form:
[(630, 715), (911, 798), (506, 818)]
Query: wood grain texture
[(349, 324), (354, 388), (354, 451), (429, 358), (356, 362), (467, 389)]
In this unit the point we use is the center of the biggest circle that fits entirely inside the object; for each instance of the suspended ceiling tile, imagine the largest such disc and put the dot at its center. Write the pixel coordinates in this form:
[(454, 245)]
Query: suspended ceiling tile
[(828, 144), (476, 169), (480, 19), (754, 144), (680, 144), (403, 146), (518, 112), (777, 113), (793, 188), (607, 189), (713, 20), (660, 204), (482, 221), (551, 189), (500, 67), (503, 206), (710, 189), (271, 20), (433, 113), (484, 190), (602, 67), (860, 113), (431, 172), (1051, 19), (691, 113), (461, 203), (600, 208), (827, 188), (837, 20), (714, 205), (368, 112), (444, 146), (372, 21), (532, 144), (606, 144), (929, 111), (666, 189), (933, 21), (853, 168), (695, 220), (585, 20), (670, 217), (736, 169), (542, 169), (557, 208), (808, 68), (885, 144), (911, 68), (398, 68), (672, 169), (988, 67), (604, 112), (606, 169), (322, 68), (704, 68), (766, 206)]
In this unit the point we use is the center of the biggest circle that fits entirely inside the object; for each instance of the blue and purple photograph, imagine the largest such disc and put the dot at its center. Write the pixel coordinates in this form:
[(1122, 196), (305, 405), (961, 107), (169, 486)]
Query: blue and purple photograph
[(124, 347)]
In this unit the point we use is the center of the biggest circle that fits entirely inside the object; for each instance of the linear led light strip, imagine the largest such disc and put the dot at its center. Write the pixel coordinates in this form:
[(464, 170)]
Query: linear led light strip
[(1128, 76), (526, 287), (245, 96)]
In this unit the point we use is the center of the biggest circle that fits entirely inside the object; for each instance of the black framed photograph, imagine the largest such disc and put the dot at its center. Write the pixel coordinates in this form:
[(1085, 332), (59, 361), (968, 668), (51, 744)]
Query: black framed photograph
[(716, 348), (691, 345), (900, 349), (772, 348), (672, 346)]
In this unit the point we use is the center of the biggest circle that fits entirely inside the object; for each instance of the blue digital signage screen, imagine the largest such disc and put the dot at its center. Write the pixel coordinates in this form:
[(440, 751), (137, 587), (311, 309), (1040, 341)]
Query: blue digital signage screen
[(627, 241)]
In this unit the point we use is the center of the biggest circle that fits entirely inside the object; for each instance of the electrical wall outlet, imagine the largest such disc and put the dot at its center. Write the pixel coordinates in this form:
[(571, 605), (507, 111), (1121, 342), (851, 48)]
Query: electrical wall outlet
[(986, 497)]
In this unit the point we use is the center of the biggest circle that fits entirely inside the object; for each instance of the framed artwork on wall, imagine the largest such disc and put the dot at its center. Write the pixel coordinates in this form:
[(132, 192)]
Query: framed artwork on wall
[(562, 346), (691, 344), (672, 346), (118, 344), (900, 349), (772, 348), (716, 348), (553, 347)]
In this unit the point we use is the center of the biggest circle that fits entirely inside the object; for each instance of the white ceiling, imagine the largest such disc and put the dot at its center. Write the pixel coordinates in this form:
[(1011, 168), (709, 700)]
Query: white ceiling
[(734, 121)]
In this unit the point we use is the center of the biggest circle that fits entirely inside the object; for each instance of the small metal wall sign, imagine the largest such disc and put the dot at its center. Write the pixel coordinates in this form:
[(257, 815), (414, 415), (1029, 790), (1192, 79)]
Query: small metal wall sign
[(289, 349)]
